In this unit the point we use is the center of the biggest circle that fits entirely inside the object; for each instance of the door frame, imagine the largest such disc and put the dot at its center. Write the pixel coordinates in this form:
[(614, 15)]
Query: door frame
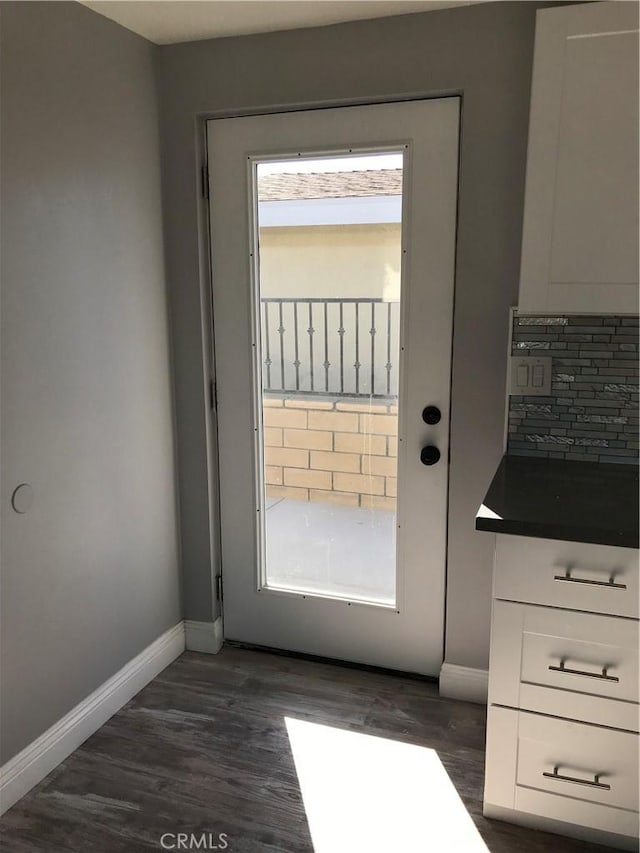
[(205, 247)]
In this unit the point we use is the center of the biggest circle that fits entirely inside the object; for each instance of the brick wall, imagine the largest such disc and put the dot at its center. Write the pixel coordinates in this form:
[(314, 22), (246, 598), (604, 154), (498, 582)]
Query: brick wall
[(337, 451), (592, 412)]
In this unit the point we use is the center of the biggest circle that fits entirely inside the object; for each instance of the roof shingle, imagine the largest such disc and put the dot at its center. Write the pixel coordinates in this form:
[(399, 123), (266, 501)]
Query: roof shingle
[(310, 185)]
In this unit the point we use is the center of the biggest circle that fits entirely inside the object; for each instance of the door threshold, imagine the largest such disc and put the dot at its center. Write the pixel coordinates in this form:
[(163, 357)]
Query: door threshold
[(345, 664)]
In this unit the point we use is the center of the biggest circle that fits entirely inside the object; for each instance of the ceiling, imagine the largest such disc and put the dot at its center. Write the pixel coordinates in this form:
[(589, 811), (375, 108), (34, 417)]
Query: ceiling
[(172, 21)]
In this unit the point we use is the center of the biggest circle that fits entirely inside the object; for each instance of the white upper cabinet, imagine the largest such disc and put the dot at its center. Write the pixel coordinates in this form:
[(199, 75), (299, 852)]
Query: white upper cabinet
[(580, 234)]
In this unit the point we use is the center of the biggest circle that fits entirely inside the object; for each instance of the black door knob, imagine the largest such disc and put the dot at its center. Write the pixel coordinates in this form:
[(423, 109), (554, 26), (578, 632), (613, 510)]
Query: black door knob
[(429, 455), (431, 415)]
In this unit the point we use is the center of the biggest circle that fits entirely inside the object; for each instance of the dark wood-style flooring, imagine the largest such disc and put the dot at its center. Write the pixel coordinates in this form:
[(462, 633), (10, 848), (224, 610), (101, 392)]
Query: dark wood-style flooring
[(203, 748)]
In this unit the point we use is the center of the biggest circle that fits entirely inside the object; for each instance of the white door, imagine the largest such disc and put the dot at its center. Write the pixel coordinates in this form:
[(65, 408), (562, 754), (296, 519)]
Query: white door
[(333, 242)]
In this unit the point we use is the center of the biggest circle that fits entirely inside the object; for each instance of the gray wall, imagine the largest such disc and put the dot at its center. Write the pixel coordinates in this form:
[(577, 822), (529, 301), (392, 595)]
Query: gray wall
[(90, 574), (484, 52)]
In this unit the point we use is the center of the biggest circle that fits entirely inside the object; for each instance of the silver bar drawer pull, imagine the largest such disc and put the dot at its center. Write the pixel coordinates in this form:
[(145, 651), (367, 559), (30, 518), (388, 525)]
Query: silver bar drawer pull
[(610, 584), (595, 783), (603, 676)]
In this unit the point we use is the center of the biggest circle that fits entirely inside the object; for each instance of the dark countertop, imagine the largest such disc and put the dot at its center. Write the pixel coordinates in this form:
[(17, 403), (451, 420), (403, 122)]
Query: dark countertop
[(557, 499)]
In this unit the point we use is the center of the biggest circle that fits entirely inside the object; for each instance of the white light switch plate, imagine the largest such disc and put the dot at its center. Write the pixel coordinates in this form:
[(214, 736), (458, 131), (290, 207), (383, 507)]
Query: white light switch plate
[(530, 375)]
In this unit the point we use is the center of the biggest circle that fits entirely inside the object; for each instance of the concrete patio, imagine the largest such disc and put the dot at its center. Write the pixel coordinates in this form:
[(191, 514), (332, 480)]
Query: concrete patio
[(337, 550)]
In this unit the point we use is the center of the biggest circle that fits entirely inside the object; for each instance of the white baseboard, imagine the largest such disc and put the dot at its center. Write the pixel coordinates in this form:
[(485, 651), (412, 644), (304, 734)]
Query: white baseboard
[(38, 759), (464, 682), (204, 636)]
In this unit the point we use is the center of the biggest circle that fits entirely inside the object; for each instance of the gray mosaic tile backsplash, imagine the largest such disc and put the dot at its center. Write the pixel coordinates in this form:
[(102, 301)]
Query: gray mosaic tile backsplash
[(592, 413)]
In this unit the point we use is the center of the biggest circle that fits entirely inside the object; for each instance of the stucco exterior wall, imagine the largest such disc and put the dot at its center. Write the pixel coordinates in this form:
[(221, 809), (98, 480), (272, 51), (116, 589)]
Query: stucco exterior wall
[(331, 261)]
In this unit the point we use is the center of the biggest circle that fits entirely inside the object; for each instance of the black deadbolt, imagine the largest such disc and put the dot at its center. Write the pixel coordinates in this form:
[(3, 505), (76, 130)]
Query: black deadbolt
[(429, 455), (431, 415)]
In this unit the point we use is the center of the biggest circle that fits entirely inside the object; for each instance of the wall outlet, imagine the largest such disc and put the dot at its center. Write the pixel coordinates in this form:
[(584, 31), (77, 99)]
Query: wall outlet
[(530, 375)]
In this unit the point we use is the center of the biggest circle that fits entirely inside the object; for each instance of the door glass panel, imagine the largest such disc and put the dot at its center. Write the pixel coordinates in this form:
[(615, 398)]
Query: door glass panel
[(329, 283)]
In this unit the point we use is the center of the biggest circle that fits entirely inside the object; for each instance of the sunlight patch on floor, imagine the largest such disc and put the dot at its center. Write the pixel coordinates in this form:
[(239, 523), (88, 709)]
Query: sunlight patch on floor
[(365, 794)]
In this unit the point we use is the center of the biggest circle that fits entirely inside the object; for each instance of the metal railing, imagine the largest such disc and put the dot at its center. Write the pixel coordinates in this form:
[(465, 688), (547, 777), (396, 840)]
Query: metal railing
[(330, 347)]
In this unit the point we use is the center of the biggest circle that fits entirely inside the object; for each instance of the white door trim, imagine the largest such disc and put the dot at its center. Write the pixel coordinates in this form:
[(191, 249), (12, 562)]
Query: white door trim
[(464, 682), (206, 637)]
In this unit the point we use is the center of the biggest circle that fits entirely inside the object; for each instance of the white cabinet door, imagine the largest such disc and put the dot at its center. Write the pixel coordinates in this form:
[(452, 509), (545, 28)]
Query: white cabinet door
[(580, 233)]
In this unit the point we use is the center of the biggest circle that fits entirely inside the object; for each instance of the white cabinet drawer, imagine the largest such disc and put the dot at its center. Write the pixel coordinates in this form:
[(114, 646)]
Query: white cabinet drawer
[(577, 760), (574, 575), (565, 771), (569, 664)]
